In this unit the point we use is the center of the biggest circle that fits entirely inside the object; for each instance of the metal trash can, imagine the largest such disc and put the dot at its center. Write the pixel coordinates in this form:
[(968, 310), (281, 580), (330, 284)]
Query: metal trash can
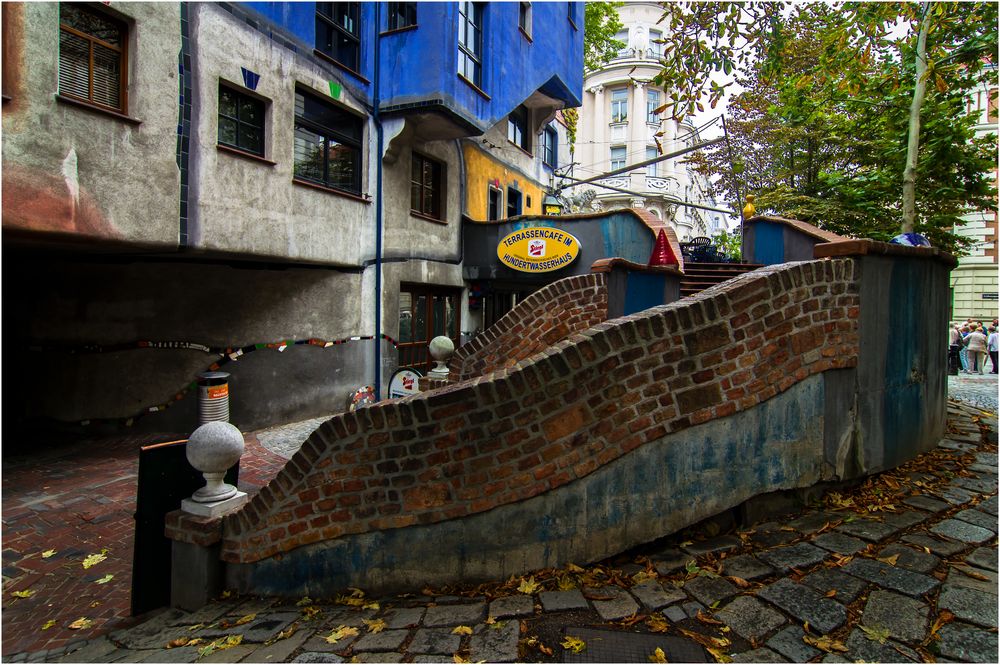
[(213, 397)]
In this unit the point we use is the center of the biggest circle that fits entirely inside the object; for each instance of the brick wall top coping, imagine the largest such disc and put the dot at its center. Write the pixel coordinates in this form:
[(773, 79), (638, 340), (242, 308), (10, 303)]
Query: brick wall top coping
[(804, 227), (865, 246), (607, 265)]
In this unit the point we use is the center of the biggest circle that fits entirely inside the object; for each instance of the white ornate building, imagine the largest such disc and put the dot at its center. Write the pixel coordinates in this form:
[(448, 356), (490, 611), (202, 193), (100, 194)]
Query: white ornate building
[(618, 127)]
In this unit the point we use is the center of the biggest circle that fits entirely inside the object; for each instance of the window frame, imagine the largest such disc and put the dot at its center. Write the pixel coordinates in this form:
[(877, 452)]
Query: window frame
[(490, 214), (475, 56), (550, 147), (405, 14), (263, 120), (651, 105), (514, 197), (438, 187), (329, 133), (624, 157), (524, 19), (621, 115), (123, 58), (355, 36), (413, 353), (652, 169), (518, 123)]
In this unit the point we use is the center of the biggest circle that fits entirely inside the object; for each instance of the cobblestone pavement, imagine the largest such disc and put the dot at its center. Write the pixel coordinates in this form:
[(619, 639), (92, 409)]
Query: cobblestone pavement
[(975, 389), (77, 500), (285, 440), (901, 568)]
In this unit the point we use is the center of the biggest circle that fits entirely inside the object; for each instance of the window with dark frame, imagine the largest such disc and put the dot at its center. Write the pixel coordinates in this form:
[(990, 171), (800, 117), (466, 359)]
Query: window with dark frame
[(241, 121), (513, 202), (425, 312), (517, 128), (327, 144), (93, 57), (470, 42), (338, 32), (427, 187), (524, 17), (550, 153), (495, 203), (402, 15)]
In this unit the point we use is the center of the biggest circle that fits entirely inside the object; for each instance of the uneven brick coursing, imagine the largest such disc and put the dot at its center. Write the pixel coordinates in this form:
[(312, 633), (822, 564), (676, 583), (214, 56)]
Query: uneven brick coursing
[(560, 415), (547, 316)]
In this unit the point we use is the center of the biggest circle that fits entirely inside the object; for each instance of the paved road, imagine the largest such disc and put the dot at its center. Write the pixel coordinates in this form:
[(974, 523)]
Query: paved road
[(975, 389), (915, 580)]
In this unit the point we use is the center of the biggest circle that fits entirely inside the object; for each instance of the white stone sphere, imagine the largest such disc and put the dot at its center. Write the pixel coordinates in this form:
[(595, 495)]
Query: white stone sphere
[(441, 348), (215, 446)]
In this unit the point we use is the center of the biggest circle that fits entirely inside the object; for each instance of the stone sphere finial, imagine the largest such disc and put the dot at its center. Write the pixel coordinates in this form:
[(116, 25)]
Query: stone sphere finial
[(212, 449), (441, 349)]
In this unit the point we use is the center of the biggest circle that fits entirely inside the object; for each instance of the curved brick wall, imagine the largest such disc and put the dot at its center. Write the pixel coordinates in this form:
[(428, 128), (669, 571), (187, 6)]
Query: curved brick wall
[(559, 416), (549, 315)]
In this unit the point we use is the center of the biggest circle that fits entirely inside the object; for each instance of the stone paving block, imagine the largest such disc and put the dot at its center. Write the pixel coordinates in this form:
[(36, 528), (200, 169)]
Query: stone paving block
[(955, 495), (910, 558), (962, 532), (872, 530), (746, 567), (378, 657), (280, 650), (495, 643), (833, 658), (813, 522), (454, 615), (890, 577), (983, 557), (261, 629), (208, 614), (669, 560), (805, 604), (989, 505), (692, 608), (619, 603), (92, 652), (825, 580), (615, 646), (433, 659), (757, 656), (788, 642), (840, 543), (130, 655), (178, 655), (861, 649), (977, 517), (985, 484), (926, 503), (749, 618), (990, 459), (961, 446), (938, 546), (232, 655), (512, 606), (905, 618), (406, 617), (653, 595), (560, 601), (967, 643), (977, 578), (387, 640), (675, 613), (710, 590), (317, 657), (772, 534), (982, 468), (722, 543), (150, 634), (801, 555), (969, 605), (440, 641), (905, 519)]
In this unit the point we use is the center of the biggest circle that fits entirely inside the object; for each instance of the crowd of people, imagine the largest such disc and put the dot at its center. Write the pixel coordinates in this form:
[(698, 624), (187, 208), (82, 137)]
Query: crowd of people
[(970, 344)]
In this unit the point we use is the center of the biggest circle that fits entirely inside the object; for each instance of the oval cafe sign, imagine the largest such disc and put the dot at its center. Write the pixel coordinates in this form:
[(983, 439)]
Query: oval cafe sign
[(538, 249)]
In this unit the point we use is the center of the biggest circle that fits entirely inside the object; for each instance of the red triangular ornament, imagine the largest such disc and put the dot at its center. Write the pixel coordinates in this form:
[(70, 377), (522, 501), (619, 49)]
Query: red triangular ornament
[(663, 254)]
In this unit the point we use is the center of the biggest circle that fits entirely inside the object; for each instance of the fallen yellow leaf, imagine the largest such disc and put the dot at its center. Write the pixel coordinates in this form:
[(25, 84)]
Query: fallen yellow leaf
[(658, 656), (245, 619), (94, 559), (879, 635), (458, 658), (104, 580), (48, 624), (82, 622), (375, 625), (574, 644), (718, 655), (27, 593), (462, 630), (371, 606), (891, 560), (824, 643), (573, 568), (657, 623), (529, 585), (48, 553), (305, 600), (341, 633)]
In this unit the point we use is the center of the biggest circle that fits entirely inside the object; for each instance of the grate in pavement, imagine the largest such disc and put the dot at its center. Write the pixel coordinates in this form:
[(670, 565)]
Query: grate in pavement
[(611, 646)]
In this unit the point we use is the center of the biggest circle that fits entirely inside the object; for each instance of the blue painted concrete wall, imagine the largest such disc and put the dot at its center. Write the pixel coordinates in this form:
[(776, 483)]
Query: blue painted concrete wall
[(421, 65)]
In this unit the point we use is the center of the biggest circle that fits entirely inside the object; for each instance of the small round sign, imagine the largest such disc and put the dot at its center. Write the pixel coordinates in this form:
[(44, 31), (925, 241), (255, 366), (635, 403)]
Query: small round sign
[(403, 383)]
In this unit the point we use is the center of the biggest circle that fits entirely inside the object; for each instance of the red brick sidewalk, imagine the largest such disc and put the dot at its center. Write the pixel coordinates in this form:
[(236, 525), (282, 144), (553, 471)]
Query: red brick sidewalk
[(78, 500)]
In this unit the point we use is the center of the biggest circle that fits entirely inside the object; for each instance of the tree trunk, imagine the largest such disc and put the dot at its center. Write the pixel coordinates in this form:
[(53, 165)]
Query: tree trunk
[(913, 143)]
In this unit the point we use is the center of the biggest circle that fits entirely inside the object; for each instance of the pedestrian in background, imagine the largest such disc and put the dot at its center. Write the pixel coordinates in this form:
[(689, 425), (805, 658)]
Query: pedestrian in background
[(954, 347), (963, 353), (993, 346), (975, 344)]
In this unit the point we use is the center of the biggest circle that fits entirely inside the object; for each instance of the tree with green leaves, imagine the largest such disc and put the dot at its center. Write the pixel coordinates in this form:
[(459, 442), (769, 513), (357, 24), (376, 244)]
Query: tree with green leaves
[(600, 25), (877, 55)]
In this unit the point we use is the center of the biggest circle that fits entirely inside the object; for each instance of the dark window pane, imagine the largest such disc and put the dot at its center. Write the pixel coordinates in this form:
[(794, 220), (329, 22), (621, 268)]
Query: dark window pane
[(420, 319), (250, 111), (227, 131), (309, 157), (343, 166), (252, 139), (227, 103), (74, 65)]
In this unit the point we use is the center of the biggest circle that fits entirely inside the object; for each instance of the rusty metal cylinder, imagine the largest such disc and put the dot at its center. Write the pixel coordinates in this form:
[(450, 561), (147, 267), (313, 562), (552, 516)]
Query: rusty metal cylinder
[(213, 397)]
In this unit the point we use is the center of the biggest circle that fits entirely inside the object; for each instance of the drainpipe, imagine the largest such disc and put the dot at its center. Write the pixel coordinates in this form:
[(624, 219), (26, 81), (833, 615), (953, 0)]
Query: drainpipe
[(376, 116)]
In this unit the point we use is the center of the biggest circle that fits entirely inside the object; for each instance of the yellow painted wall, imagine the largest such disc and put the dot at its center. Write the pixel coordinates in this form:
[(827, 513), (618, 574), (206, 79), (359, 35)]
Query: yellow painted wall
[(481, 169)]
